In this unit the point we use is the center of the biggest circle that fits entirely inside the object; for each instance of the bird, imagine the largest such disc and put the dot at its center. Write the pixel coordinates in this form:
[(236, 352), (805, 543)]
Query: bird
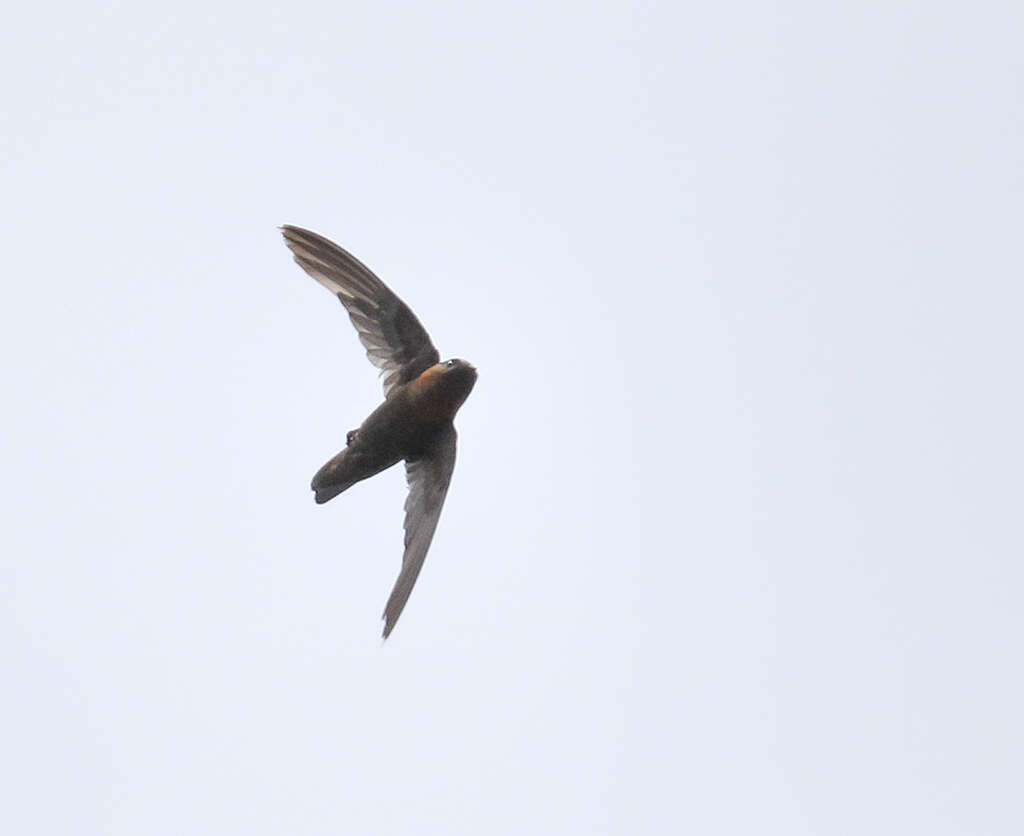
[(414, 424)]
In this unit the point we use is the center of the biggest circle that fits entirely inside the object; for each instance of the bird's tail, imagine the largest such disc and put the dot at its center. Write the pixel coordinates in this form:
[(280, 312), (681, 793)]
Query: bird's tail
[(351, 465), (333, 478)]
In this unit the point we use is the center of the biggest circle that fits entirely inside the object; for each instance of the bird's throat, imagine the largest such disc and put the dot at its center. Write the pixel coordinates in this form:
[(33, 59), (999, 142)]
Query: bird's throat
[(437, 394)]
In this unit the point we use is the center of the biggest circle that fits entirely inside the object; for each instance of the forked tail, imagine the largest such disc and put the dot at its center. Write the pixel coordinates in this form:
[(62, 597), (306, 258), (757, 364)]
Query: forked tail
[(351, 465), (333, 478)]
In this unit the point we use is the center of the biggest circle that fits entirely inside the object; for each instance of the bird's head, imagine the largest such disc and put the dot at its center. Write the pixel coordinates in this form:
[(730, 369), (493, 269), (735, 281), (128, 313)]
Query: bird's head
[(457, 377)]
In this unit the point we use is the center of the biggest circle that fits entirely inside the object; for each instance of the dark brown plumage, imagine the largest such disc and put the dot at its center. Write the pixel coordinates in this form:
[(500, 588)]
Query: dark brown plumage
[(421, 397)]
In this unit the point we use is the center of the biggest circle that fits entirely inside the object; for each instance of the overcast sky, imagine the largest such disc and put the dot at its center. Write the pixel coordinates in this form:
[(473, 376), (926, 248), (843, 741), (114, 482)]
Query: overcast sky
[(734, 539)]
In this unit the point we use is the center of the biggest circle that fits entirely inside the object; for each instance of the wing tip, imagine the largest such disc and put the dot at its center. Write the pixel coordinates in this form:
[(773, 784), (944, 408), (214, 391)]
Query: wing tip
[(393, 610)]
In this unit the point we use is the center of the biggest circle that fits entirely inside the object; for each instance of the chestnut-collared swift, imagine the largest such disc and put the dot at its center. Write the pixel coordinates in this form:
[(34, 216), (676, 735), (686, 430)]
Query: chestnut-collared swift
[(421, 397)]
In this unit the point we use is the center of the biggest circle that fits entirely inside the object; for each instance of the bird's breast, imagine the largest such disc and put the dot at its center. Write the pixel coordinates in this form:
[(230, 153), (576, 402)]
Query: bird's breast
[(436, 395)]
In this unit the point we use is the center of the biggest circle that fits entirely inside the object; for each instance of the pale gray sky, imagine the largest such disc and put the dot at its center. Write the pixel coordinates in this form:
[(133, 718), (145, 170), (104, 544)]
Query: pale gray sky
[(734, 541)]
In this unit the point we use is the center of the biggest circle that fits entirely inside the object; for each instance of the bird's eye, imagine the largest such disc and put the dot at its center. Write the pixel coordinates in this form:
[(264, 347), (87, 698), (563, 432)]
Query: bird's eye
[(451, 363)]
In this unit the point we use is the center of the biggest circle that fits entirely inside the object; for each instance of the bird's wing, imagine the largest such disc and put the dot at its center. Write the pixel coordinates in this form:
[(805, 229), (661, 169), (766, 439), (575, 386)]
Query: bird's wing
[(428, 477), (395, 341)]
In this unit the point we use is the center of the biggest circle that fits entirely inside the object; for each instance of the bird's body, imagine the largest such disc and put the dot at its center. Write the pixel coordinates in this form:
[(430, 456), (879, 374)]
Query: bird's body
[(408, 425), (414, 423)]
